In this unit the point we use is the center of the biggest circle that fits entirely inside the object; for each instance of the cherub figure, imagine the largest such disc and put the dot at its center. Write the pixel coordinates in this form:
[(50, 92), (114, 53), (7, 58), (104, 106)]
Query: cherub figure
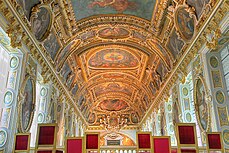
[(119, 5)]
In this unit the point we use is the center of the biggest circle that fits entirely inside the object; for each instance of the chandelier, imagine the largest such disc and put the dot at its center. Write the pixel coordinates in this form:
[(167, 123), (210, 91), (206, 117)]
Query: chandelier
[(113, 122)]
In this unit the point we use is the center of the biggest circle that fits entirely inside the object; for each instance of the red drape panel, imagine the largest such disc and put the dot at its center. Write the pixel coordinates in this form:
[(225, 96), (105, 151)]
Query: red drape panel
[(188, 151), (186, 134), (21, 142), (144, 141), (161, 145), (214, 141), (92, 141), (46, 135), (74, 146)]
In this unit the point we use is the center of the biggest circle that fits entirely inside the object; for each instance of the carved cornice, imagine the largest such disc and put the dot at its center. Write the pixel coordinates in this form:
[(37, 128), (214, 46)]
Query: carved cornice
[(159, 15), (132, 21), (68, 14)]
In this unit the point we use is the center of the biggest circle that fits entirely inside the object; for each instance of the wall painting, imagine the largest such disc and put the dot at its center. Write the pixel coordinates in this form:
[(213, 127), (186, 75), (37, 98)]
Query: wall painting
[(27, 101), (27, 106), (201, 103)]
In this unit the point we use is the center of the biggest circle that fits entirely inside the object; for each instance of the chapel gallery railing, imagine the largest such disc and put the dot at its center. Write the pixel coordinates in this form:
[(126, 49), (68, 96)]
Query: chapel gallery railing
[(118, 150), (134, 150), (125, 150)]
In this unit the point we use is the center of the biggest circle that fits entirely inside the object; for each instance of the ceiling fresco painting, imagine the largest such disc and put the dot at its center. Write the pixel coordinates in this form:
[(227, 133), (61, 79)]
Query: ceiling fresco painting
[(185, 23), (134, 118), (175, 44), (41, 20), (113, 32), (114, 56), (161, 71), (113, 105), (117, 71), (60, 55), (86, 8), (113, 59), (52, 45), (165, 53), (69, 77), (112, 87)]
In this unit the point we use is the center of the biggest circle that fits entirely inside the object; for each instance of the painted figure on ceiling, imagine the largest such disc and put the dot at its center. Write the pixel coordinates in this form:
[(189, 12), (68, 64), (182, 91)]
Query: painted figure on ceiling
[(51, 45), (119, 5), (156, 80), (186, 23), (113, 105), (113, 32), (41, 23), (175, 44)]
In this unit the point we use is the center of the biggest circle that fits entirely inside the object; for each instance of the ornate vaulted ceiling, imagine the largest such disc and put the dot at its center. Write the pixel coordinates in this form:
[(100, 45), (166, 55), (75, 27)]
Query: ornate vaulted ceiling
[(113, 55)]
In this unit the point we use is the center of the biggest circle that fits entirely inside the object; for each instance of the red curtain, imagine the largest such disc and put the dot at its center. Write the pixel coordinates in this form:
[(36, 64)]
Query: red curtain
[(74, 146), (186, 134), (214, 141), (92, 141), (161, 145), (144, 141), (46, 135), (21, 142), (188, 151)]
